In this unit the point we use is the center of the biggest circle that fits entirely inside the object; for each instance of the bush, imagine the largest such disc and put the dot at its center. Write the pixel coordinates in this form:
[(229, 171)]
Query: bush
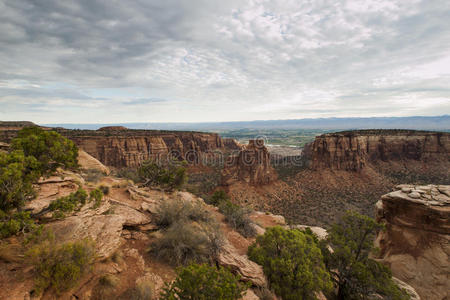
[(15, 223), (68, 204), (171, 176), (238, 218), (50, 149), (60, 267), (104, 189), (93, 175), (96, 196), (184, 243), (16, 177), (177, 210), (142, 291), (129, 173), (204, 282), (292, 262), (218, 197), (355, 274)]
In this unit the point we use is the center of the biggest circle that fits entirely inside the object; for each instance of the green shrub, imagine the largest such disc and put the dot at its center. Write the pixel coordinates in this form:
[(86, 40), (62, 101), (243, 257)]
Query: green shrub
[(357, 276), (60, 267), (170, 176), (203, 282), (68, 204), (104, 189), (50, 149), (15, 223), (177, 210), (96, 196), (218, 197), (16, 177), (292, 262), (184, 243), (238, 218)]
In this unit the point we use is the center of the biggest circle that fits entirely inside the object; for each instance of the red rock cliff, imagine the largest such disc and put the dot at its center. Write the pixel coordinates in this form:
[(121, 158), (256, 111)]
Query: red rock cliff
[(251, 164), (416, 243), (120, 147), (353, 150)]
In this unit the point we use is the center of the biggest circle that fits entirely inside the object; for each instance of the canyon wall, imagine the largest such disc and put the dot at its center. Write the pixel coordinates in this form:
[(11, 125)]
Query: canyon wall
[(354, 150), (118, 146), (121, 147), (416, 242)]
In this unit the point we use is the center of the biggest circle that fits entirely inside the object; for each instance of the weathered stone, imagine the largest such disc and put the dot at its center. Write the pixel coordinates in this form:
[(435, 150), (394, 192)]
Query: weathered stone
[(415, 244), (249, 271), (353, 150)]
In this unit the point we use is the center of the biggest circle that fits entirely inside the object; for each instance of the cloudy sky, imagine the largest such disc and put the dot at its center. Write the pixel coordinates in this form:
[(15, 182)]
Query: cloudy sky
[(109, 61)]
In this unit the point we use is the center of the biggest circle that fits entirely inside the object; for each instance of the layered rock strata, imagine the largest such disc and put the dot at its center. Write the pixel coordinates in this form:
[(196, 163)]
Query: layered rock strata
[(353, 150), (251, 164), (416, 242)]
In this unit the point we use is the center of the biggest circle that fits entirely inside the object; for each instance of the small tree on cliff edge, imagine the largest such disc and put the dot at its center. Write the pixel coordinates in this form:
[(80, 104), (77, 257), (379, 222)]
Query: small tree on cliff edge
[(50, 149), (292, 262), (355, 274)]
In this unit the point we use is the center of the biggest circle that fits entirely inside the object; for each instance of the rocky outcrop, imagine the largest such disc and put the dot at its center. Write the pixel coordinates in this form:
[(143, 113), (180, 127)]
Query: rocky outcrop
[(251, 165), (87, 162), (129, 148), (416, 242), (354, 150)]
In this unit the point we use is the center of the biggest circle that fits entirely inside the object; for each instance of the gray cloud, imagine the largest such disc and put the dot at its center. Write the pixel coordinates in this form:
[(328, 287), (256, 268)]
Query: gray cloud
[(230, 60)]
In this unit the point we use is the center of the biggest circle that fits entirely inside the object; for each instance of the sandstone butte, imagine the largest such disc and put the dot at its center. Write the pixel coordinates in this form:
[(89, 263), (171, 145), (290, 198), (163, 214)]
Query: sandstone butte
[(416, 243), (354, 150)]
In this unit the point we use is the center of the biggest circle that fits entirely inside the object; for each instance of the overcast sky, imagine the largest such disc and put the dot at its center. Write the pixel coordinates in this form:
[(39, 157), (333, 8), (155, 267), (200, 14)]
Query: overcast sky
[(222, 60)]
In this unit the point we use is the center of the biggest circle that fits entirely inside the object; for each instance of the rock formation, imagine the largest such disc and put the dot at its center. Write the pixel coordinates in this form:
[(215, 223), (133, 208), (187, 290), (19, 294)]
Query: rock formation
[(117, 146), (416, 243), (354, 150), (251, 164)]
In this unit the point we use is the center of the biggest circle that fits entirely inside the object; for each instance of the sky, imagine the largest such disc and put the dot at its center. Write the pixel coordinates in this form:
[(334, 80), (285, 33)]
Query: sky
[(112, 61)]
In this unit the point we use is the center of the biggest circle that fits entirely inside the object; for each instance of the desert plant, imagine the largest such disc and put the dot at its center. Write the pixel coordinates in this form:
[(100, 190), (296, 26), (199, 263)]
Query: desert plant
[(170, 176), (50, 149), (68, 204), (96, 196), (142, 291), (104, 189), (292, 262), (355, 274), (93, 175), (204, 282), (17, 173), (12, 224), (238, 218), (129, 173), (183, 243), (176, 210), (60, 267), (218, 197)]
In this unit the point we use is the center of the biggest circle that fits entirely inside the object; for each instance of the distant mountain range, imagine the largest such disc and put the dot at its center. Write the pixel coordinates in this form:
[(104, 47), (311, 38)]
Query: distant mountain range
[(417, 122)]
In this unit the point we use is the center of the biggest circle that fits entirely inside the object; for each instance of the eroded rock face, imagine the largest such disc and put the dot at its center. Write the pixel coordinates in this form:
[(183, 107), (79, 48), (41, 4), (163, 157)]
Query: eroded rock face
[(251, 164), (353, 150), (129, 148), (416, 243), (87, 162)]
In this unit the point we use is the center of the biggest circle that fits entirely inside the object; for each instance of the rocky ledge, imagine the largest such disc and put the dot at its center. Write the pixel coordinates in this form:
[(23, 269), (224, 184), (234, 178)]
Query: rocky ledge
[(416, 242)]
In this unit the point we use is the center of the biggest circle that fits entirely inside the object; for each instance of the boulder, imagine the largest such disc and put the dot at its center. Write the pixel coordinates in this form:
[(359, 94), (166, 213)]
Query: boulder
[(247, 269)]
